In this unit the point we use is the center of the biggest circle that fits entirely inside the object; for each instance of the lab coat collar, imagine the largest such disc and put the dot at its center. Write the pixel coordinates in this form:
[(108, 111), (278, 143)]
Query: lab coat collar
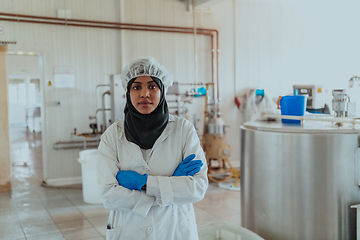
[(133, 149)]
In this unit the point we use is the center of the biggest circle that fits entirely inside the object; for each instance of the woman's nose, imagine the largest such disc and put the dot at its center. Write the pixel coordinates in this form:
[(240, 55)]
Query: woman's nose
[(145, 92)]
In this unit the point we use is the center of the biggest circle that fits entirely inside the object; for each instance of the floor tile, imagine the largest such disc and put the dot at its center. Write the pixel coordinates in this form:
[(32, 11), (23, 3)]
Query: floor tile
[(29, 206), (80, 234), (7, 208), (61, 215), (101, 229), (73, 225), (49, 193), (8, 219), (214, 188), (220, 205), (19, 194), (98, 221), (96, 238), (77, 201), (40, 230), (234, 220), (203, 217), (35, 218), (61, 202), (11, 232), (33, 214), (52, 236), (90, 211), (72, 193), (4, 194)]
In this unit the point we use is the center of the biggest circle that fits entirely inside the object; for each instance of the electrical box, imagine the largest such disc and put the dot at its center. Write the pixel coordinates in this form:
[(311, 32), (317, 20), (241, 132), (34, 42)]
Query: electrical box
[(314, 93)]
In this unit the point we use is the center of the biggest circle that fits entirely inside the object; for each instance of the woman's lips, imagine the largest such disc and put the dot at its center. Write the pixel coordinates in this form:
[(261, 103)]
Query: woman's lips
[(145, 104)]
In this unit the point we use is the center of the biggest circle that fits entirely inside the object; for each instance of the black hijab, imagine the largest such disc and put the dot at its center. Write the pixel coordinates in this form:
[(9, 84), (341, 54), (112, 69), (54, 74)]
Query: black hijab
[(144, 129)]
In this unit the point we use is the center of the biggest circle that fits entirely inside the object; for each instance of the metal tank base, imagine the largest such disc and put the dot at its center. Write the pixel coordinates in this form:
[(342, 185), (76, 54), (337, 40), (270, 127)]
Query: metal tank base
[(299, 182)]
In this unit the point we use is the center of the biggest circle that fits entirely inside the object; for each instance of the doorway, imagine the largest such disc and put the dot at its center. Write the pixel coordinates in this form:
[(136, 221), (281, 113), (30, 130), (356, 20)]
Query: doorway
[(25, 119)]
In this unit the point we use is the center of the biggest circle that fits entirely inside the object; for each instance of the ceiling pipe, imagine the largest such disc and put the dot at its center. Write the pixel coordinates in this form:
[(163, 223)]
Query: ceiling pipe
[(123, 26)]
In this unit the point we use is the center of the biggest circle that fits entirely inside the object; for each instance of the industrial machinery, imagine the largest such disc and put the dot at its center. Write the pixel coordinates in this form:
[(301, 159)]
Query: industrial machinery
[(315, 96), (113, 105), (341, 104), (298, 182), (217, 151), (176, 101)]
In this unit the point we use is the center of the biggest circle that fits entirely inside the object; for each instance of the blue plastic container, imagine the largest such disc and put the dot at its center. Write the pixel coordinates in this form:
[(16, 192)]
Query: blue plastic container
[(293, 105)]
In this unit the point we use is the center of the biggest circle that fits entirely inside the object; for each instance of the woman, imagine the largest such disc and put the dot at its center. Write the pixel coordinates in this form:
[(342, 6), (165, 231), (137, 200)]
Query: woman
[(147, 173)]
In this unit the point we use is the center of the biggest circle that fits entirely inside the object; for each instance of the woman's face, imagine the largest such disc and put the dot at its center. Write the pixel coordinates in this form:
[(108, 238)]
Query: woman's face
[(145, 94)]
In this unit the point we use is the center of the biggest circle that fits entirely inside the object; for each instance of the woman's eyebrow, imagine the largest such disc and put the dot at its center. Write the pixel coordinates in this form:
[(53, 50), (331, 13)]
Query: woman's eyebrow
[(147, 82)]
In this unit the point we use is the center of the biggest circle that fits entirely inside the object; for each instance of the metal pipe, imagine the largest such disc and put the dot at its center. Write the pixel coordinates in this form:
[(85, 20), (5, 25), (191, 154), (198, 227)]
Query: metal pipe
[(103, 107), (192, 84), (74, 144), (100, 85), (100, 109), (104, 22)]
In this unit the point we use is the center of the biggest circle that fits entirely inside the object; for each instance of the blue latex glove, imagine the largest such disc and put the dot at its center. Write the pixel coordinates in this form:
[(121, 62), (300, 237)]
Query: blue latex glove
[(131, 180), (188, 167)]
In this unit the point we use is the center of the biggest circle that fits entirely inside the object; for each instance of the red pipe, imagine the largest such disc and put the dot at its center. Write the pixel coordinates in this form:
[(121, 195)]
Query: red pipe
[(141, 27)]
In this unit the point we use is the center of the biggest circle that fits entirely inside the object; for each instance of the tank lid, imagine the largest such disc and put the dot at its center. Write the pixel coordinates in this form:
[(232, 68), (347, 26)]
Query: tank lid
[(308, 127)]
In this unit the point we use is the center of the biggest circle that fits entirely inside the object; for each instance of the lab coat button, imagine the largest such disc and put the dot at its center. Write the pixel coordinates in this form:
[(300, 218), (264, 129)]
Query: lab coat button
[(149, 229)]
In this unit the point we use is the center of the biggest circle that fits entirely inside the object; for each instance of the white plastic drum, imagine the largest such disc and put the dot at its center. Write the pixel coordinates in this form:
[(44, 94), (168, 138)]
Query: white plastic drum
[(223, 230), (88, 160)]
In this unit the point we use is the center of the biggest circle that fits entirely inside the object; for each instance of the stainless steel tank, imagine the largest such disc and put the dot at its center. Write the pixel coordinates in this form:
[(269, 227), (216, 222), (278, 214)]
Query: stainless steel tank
[(299, 182)]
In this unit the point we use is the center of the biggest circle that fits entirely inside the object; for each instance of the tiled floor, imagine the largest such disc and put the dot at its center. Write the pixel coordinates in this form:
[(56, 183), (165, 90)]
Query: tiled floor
[(33, 212)]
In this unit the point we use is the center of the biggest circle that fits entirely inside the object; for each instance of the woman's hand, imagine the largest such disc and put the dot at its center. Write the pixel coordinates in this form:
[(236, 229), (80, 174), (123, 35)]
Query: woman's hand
[(188, 167), (131, 180)]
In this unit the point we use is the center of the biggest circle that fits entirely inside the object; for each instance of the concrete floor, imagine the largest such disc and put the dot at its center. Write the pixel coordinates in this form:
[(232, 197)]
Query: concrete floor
[(34, 212)]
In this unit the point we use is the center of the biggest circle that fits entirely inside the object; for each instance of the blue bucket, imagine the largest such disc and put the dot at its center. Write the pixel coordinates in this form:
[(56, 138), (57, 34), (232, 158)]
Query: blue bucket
[(293, 105)]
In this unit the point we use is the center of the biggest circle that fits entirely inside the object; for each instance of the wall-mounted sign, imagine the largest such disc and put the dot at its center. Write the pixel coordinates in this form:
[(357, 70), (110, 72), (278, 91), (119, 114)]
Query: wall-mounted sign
[(2, 31), (64, 77)]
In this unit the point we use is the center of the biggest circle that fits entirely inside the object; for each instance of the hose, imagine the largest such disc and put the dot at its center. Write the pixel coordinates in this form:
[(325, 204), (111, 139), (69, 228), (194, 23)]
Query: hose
[(233, 171)]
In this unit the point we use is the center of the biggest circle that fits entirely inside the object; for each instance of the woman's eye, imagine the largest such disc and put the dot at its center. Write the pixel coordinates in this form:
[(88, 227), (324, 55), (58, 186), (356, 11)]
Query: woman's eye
[(136, 87), (152, 87)]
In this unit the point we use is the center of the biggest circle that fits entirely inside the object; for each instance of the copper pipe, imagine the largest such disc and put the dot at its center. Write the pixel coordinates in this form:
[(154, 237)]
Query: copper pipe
[(103, 22), (101, 26), (140, 27)]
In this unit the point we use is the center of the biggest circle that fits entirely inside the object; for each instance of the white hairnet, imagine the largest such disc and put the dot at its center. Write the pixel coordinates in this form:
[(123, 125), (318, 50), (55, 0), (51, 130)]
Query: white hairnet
[(146, 67)]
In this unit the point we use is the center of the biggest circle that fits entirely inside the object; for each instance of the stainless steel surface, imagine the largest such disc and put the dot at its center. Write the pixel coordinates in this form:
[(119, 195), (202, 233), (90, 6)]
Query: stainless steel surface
[(103, 107), (339, 102), (308, 127), (299, 184), (215, 125)]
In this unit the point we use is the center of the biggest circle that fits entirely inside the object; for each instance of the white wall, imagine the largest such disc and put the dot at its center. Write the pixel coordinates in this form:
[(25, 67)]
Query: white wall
[(95, 53), (92, 52), (275, 44), (282, 43)]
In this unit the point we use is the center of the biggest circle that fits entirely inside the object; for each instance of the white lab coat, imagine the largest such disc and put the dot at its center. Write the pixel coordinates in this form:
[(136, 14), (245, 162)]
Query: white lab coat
[(164, 210)]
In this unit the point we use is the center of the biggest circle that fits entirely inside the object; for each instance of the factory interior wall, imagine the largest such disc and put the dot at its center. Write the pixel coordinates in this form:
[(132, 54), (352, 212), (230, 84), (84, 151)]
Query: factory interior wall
[(94, 54), (282, 43), (5, 174), (265, 44)]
